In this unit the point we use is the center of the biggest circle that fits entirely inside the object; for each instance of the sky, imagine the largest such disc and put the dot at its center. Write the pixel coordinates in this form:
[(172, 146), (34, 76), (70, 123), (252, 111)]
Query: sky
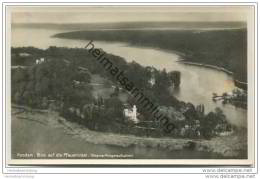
[(108, 14)]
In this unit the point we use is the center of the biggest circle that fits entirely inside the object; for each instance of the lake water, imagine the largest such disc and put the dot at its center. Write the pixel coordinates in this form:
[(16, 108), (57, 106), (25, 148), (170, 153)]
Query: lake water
[(197, 83)]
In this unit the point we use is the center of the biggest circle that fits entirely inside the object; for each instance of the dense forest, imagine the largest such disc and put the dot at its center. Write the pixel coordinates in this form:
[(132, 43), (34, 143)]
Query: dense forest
[(225, 48), (60, 84)]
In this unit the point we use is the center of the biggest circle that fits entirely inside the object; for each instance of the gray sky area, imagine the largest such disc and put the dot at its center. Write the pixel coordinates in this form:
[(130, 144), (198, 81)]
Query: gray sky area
[(127, 14)]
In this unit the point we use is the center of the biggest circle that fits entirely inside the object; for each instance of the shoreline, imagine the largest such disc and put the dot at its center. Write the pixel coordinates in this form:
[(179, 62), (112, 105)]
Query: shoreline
[(238, 83), (227, 146), (206, 66)]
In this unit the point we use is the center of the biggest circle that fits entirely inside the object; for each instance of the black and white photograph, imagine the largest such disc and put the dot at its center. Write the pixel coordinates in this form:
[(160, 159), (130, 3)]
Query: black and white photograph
[(153, 85)]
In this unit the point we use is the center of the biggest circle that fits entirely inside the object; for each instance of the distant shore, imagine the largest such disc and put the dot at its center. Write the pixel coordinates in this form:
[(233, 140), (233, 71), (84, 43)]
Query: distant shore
[(227, 146)]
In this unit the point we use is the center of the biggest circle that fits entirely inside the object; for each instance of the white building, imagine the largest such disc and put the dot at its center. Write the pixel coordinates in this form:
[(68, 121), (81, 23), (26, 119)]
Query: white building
[(39, 61), (131, 114), (152, 81)]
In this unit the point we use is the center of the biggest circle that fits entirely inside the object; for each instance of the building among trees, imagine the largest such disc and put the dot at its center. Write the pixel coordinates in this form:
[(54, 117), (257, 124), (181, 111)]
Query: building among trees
[(39, 61), (131, 114)]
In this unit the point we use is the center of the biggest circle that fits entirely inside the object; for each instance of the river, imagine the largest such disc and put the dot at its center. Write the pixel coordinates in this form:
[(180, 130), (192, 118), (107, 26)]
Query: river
[(197, 83)]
